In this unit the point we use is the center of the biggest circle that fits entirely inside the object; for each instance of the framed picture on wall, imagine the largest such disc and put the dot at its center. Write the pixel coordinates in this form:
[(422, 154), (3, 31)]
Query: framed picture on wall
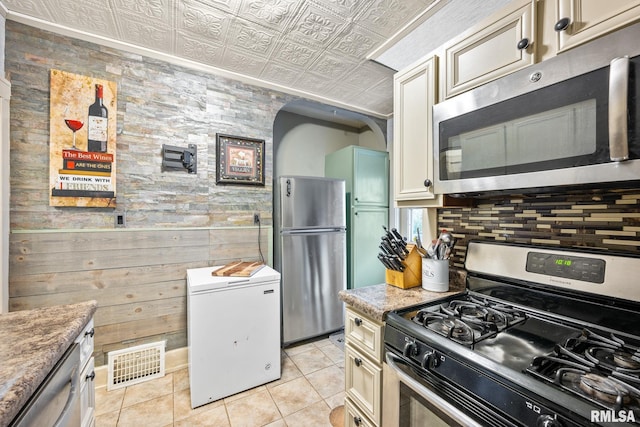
[(239, 160), (82, 147)]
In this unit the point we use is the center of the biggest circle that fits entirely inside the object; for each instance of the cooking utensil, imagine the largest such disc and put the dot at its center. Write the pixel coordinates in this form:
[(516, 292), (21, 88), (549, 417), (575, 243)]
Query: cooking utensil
[(431, 249), (442, 247)]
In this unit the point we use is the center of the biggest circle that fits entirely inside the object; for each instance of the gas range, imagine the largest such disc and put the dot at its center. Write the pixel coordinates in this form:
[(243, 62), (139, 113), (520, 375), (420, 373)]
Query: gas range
[(537, 339)]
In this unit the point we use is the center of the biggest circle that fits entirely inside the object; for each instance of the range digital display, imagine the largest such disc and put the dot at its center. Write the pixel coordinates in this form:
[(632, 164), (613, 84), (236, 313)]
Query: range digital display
[(568, 267)]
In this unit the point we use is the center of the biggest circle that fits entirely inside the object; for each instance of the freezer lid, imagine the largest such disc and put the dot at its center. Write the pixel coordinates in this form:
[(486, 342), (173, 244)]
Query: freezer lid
[(201, 279), (312, 202)]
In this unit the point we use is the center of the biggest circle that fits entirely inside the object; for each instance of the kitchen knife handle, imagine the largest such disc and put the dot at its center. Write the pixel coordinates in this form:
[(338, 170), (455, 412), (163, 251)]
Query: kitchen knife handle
[(618, 95)]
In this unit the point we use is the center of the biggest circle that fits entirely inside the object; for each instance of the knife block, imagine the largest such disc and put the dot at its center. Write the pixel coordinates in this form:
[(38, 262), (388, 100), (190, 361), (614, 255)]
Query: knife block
[(412, 274)]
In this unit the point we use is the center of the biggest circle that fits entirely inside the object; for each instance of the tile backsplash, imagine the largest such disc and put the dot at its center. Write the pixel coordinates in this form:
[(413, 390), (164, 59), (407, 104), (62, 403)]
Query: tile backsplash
[(607, 219)]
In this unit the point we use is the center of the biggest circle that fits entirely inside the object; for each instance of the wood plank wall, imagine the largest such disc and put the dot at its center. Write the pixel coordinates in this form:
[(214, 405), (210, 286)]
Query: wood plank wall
[(138, 277)]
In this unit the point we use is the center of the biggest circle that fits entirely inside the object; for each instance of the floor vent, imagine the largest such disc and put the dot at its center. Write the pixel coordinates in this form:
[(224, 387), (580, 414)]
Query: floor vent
[(134, 365)]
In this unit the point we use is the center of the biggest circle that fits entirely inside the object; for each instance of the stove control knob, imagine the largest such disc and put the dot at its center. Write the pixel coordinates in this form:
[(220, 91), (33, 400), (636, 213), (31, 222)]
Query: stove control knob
[(429, 360), (410, 349), (548, 421)]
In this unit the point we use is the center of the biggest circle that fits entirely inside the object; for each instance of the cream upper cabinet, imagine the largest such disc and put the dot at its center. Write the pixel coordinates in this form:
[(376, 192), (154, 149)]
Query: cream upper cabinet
[(579, 21), (502, 44), (415, 91)]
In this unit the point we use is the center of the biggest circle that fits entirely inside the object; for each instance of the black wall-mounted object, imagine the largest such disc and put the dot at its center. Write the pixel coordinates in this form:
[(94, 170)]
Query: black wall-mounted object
[(179, 158)]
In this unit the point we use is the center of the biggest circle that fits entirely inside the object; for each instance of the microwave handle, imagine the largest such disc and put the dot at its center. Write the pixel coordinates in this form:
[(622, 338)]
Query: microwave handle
[(618, 127)]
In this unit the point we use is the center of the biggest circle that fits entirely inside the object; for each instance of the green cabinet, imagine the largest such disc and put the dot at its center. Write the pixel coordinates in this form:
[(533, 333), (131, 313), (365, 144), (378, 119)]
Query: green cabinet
[(366, 175)]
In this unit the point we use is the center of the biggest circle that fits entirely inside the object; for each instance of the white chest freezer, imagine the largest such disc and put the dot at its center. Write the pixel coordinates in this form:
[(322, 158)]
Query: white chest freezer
[(233, 332)]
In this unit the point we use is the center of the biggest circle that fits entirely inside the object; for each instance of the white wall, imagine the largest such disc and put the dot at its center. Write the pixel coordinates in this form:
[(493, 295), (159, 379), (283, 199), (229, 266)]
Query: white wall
[(304, 143), (303, 148), (370, 140)]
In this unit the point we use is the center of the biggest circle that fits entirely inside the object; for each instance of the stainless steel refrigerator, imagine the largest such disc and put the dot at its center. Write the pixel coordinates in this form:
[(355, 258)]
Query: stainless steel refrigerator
[(311, 255)]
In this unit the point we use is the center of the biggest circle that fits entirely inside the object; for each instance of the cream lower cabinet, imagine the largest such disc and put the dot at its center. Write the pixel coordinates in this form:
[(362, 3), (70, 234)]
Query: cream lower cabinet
[(355, 418), (414, 94), (87, 375), (579, 21), (363, 369)]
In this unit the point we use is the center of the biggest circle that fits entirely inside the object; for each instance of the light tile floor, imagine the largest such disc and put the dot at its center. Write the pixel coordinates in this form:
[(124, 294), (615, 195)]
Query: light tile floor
[(312, 384)]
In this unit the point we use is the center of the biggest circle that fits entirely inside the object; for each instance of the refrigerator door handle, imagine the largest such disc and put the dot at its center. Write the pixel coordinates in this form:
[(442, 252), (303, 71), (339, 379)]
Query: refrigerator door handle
[(314, 231)]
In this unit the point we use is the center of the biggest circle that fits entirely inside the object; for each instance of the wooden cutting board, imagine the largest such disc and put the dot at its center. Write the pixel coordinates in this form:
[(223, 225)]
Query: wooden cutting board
[(239, 269)]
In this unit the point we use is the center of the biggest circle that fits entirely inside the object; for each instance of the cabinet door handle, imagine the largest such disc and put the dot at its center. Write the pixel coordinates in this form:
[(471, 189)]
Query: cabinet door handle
[(357, 361), (427, 183), (357, 321), (523, 44), (91, 376), (562, 24), (357, 420), (90, 333)]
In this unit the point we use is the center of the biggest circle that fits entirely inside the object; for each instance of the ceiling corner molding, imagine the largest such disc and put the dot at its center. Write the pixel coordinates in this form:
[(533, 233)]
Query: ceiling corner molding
[(426, 14), (116, 44)]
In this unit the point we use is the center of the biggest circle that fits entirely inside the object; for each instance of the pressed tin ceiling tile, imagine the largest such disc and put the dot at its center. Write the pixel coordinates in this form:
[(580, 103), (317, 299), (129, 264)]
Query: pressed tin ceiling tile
[(294, 53), (228, 6), (280, 73), (316, 25), (146, 33), (356, 42), (314, 47), (385, 17), (243, 61), (92, 16), (201, 32), (332, 67), (35, 8), (276, 14), (153, 10), (197, 49), (251, 38), (368, 74), (202, 20)]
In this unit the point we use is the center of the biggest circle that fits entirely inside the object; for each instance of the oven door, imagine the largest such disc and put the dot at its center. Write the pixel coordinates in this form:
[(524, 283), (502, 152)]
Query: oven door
[(569, 120), (408, 402)]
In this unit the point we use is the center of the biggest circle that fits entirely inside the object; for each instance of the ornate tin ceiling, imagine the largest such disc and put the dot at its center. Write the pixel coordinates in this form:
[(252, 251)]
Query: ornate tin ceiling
[(314, 48)]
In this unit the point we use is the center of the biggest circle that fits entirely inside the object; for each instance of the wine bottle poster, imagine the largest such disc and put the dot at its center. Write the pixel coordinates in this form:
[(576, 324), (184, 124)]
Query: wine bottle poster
[(82, 145)]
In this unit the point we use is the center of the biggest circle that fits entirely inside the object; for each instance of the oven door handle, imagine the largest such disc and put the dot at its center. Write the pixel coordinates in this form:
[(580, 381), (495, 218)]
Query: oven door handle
[(445, 407)]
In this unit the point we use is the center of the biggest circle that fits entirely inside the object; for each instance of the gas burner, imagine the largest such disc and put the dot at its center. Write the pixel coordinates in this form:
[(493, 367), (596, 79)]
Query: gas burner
[(625, 360), (607, 391), (613, 359), (604, 389), (453, 328), (468, 321), (447, 325), (487, 311)]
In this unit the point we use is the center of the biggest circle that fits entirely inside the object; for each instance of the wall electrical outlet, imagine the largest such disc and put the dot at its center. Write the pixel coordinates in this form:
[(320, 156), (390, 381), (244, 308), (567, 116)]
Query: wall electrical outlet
[(120, 220), (256, 218)]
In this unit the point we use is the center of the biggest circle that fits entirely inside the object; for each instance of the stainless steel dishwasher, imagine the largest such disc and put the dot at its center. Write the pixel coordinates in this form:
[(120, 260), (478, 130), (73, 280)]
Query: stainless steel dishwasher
[(56, 402)]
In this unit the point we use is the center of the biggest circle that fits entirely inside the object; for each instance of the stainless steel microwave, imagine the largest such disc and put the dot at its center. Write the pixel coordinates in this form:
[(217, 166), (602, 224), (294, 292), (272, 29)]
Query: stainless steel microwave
[(570, 120)]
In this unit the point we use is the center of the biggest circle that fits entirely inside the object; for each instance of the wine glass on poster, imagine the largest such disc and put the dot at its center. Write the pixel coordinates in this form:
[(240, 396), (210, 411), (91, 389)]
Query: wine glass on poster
[(74, 125)]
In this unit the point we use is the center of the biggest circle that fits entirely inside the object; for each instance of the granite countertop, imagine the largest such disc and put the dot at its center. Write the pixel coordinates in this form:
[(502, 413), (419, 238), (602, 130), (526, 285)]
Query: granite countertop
[(378, 300), (32, 343)]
